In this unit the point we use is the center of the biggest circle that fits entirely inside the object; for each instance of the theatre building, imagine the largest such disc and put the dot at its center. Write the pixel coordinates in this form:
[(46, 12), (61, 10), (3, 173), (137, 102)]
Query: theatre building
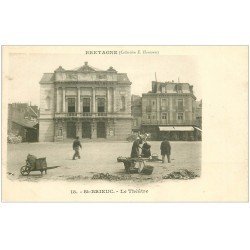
[(168, 110), (85, 102)]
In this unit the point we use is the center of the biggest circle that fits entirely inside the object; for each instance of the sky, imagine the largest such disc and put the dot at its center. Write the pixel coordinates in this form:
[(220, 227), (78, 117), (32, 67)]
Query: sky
[(26, 70)]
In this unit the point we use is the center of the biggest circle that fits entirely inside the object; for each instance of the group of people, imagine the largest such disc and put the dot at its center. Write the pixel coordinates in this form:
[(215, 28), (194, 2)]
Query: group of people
[(146, 149), (135, 152)]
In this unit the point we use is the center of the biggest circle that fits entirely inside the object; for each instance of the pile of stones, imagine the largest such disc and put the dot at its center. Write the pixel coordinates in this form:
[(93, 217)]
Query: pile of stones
[(107, 176), (182, 174)]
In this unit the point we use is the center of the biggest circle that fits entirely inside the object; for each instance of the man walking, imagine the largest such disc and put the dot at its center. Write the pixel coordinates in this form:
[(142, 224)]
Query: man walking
[(165, 150), (76, 145)]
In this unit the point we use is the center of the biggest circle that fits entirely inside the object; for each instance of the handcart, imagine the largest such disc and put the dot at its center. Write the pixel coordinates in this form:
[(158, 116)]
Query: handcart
[(35, 164), (136, 165)]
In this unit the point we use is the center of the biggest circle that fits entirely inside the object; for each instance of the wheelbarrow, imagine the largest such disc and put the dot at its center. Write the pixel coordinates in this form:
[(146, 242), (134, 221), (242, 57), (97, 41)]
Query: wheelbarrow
[(35, 164)]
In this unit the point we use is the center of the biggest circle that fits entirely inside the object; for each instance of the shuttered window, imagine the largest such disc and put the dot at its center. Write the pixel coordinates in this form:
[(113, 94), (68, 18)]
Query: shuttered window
[(71, 105), (86, 105), (100, 105)]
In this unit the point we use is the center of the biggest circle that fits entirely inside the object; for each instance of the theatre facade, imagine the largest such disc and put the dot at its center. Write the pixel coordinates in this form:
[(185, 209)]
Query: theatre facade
[(85, 102)]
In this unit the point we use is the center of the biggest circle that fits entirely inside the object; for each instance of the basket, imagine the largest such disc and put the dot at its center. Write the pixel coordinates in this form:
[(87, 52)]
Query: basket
[(154, 157), (121, 159), (130, 166), (147, 169)]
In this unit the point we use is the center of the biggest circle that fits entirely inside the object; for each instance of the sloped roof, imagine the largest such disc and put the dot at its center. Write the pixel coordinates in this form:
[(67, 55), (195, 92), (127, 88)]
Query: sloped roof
[(172, 87), (122, 77), (25, 123), (47, 78), (198, 104), (32, 111)]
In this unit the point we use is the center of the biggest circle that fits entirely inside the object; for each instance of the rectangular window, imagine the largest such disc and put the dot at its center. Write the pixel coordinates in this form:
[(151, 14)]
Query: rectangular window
[(149, 117), (71, 105), (163, 89), (180, 116), (163, 104), (164, 116), (179, 88), (101, 105), (86, 105), (180, 104)]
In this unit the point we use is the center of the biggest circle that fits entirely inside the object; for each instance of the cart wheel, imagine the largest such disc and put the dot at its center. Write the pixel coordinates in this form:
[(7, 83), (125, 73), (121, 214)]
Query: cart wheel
[(25, 170)]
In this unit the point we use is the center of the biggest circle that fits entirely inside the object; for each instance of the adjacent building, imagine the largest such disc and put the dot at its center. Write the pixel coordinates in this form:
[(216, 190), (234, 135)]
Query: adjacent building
[(198, 120), (169, 110), (85, 102), (136, 111), (198, 114), (23, 121)]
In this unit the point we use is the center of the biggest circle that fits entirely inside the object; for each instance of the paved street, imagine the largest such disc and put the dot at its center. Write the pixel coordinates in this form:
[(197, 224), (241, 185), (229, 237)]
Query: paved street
[(98, 157)]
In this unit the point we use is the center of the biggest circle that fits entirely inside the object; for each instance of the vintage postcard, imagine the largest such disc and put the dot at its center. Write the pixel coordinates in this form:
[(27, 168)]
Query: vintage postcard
[(125, 123)]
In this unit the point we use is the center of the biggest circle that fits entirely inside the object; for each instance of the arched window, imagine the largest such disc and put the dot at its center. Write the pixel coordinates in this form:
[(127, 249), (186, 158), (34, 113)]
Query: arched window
[(48, 102), (122, 103)]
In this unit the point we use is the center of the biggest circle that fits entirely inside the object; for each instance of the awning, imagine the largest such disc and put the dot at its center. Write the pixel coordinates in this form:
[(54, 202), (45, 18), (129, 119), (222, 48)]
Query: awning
[(176, 128), (198, 129), (168, 128), (26, 124)]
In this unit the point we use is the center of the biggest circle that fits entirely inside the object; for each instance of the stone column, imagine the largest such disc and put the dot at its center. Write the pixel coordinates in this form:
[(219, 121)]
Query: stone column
[(57, 100), (114, 102), (78, 100), (107, 101), (158, 109), (170, 101), (79, 129), (63, 100), (93, 127), (93, 100)]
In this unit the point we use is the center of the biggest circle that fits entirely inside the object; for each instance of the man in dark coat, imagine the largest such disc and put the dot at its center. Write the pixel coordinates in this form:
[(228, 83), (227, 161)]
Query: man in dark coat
[(135, 153), (146, 152), (76, 145), (165, 150)]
